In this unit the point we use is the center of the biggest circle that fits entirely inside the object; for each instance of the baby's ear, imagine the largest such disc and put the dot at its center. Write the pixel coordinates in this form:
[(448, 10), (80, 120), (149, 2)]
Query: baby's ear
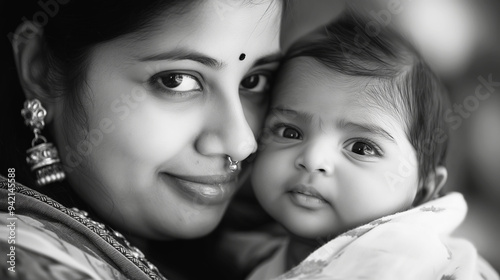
[(432, 186)]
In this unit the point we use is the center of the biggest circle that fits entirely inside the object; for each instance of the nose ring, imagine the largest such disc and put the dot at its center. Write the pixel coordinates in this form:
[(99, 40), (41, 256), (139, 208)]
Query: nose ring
[(233, 165)]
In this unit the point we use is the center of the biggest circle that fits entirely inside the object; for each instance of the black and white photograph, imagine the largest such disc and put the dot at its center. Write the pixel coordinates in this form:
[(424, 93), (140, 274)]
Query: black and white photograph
[(250, 140)]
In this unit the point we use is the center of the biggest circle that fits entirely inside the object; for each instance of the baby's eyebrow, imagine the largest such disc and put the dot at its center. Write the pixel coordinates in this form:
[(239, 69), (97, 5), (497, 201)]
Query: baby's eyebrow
[(365, 127), (271, 58), (305, 117), (185, 54), (290, 114)]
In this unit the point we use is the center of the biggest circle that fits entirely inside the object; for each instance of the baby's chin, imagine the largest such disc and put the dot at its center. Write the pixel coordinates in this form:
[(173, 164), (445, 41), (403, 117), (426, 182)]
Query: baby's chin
[(310, 231)]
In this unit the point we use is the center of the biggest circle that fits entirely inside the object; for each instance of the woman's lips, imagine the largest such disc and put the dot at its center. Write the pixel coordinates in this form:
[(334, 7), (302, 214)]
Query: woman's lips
[(205, 190), (306, 197)]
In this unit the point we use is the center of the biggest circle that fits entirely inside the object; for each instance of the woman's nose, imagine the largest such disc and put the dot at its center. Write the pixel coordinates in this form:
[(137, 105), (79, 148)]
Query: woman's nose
[(227, 132), (316, 157)]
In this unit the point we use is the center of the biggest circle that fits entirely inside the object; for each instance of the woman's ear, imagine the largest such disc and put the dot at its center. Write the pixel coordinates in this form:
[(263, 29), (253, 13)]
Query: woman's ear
[(27, 44), (432, 186)]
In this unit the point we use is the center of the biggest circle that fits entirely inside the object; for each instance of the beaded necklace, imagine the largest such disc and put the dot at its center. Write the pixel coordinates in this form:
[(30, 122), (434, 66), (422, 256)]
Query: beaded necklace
[(112, 237)]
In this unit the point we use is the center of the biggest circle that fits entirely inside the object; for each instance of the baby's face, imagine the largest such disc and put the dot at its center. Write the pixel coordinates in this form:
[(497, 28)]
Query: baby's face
[(330, 160)]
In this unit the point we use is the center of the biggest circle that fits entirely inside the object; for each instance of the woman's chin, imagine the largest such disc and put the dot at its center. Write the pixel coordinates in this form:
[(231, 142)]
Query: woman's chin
[(196, 223)]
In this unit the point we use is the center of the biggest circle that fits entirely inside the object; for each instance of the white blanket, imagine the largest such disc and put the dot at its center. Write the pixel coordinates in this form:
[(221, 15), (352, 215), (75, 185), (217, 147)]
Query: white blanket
[(415, 244)]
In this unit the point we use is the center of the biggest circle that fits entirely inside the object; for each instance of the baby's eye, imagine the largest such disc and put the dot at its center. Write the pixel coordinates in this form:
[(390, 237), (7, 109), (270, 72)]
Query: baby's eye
[(177, 82), (364, 148), (255, 83), (288, 132)]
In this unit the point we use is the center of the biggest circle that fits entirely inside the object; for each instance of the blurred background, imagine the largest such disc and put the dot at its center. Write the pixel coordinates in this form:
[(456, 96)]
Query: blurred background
[(460, 39)]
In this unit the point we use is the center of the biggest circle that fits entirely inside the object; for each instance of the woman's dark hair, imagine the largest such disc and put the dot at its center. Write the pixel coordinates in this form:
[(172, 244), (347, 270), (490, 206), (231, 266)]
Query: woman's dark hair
[(408, 87), (71, 29)]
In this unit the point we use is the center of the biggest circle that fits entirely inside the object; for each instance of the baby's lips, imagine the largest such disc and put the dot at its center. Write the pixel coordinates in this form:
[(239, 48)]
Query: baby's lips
[(306, 190)]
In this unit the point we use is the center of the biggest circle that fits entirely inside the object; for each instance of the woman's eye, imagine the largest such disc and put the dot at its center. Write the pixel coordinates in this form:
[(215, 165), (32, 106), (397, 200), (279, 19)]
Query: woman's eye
[(255, 83), (178, 82), (364, 149), (288, 132)]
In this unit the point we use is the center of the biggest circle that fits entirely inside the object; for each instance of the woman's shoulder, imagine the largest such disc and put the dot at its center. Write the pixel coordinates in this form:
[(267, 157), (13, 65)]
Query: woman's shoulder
[(48, 240), (29, 255)]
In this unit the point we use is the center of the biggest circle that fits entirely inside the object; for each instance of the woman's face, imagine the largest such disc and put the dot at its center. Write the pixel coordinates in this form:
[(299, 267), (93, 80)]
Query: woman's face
[(164, 108)]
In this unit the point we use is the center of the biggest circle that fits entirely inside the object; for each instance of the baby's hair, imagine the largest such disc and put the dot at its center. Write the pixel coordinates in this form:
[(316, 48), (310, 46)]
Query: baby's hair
[(406, 85)]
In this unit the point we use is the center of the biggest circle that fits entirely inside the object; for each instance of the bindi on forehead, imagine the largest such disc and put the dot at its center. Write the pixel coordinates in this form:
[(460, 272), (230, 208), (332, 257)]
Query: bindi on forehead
[(242, 56)]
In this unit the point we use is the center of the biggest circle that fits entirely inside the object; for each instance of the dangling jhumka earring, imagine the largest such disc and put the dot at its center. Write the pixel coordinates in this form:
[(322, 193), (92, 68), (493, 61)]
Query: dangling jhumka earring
[(42, 157), (233, 165)]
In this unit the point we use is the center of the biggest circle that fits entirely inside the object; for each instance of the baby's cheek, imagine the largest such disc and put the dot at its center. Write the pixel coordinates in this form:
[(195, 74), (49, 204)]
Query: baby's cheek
[(262, 174), (365, 198), (268, 176)]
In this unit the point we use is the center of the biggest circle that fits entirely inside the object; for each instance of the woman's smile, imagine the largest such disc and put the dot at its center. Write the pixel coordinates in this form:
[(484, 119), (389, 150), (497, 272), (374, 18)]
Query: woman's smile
[(209, 189)]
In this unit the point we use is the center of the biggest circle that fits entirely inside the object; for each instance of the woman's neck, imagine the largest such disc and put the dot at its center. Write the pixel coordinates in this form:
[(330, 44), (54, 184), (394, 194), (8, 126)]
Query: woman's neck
[(299, 248)]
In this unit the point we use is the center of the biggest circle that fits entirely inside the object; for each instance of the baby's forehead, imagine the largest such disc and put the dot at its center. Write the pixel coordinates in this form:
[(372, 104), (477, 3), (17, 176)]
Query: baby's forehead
[(306, 74), (303, 75)]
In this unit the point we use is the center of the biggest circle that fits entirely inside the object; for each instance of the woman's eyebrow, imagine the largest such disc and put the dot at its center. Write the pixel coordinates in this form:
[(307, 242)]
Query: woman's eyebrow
[(271, 58), (183, 54)]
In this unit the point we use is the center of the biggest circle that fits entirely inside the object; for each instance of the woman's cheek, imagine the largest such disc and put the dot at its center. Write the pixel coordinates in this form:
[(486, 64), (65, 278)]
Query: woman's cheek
[(154, 132)]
